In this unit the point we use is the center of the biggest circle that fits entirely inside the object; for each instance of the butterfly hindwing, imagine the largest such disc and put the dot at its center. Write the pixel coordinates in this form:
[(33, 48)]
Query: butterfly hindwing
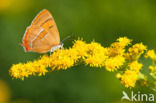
[(46, 21), (43, 34)]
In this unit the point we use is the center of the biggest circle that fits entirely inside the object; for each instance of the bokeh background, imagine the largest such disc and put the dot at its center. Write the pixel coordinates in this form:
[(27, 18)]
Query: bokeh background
[(100, 20)]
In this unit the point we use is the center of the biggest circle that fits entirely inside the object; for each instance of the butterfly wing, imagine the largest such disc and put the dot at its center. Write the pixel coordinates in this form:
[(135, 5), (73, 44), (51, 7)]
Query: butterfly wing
[(42, 35), (45, 20), (36, 40), (28, 37)]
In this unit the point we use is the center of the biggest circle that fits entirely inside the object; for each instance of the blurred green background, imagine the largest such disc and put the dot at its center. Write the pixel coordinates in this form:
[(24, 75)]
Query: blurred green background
[(100, 20)]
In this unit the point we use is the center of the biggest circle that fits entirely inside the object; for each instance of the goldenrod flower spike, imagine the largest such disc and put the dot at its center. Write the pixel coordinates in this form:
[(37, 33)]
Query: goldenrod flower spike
[(116, 57)]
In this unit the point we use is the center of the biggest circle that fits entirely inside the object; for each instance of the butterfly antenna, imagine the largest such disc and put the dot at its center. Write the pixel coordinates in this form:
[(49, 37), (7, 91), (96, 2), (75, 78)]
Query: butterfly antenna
[(66, 38)]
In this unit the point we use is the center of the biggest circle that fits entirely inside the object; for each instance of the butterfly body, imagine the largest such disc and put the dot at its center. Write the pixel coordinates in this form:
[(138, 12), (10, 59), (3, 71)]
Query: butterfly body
[(42, 35)]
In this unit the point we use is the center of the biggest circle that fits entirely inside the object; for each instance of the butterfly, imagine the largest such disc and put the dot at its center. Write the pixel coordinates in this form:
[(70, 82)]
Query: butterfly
[(42, 35)]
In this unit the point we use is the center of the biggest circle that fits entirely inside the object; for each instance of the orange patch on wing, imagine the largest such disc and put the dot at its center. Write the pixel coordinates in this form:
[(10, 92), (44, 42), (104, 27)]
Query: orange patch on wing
[(47, 24), (41, 35), (27, 48), (25, 41)]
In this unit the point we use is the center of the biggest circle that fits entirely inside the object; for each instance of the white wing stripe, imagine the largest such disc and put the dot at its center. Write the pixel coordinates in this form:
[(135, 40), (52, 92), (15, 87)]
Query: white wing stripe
[(37, 36)]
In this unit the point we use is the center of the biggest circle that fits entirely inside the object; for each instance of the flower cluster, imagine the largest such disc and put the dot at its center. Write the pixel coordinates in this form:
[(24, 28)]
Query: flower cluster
[(131, 74), (152, 68), (116, 58)]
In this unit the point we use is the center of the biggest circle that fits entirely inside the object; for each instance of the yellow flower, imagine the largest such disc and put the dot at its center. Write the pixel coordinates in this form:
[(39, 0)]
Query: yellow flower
[(44, 60), (96, 55), (81, 47), (129, 78), (63, 59), (124, 41), (114, 63), (16, 71), (117, 48), (37, 68), (135, 66), (4, 92), (151, 54), (152, 71), (24, 70), (135, 51), (118, 76)]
